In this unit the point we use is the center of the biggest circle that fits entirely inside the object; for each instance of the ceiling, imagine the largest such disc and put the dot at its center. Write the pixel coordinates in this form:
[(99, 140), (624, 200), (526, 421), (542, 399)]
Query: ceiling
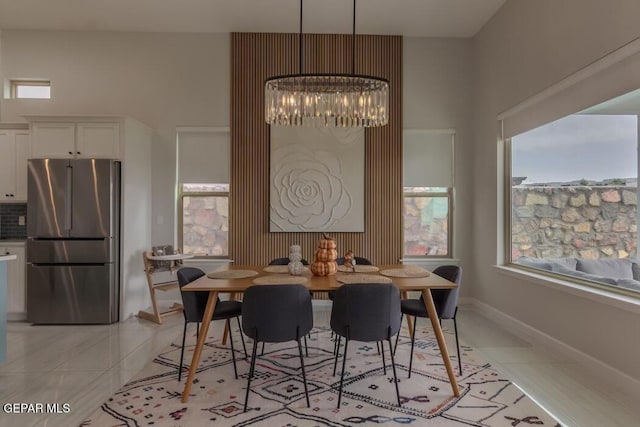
[(415, 18)]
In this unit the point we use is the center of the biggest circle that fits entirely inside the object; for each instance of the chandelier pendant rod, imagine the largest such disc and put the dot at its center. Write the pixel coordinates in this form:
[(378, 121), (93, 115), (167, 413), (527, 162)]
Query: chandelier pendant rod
[(300, 42), (353, 41)]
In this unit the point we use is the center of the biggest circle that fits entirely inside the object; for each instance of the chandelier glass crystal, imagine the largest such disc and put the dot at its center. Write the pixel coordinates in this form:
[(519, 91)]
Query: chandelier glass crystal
[(339, 100)]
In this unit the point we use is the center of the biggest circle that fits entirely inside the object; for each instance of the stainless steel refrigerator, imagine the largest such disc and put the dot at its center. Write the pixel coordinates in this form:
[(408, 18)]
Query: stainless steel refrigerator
[(73, 247)]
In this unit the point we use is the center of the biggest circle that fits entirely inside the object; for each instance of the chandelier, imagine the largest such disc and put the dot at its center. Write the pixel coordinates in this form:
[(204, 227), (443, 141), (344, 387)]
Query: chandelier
[(340, 100)]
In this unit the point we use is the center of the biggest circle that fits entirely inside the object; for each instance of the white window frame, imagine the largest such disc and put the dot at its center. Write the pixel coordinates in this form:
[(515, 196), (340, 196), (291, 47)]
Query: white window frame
[(449, 194), (181, 194), (15, 83)]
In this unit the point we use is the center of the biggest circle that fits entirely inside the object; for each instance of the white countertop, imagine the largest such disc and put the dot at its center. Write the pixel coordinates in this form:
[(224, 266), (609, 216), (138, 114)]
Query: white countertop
[(172, 257), (7, 257)]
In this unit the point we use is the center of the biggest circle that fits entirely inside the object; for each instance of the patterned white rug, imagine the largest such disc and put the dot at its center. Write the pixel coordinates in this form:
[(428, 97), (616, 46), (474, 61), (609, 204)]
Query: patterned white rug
[(277, 397)]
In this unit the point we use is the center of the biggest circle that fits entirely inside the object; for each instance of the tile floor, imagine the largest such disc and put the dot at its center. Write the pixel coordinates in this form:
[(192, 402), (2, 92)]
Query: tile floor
[(84, 365)]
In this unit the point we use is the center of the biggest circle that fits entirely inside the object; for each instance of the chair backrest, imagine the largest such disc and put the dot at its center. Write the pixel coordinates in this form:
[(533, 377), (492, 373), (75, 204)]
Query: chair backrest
[(276, 313), (194, 303), (446, 300), (285, 261), (366, 311), (359, 261)]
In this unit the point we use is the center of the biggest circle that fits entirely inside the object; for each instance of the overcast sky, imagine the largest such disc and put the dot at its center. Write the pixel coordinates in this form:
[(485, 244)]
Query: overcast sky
[(592, 147)]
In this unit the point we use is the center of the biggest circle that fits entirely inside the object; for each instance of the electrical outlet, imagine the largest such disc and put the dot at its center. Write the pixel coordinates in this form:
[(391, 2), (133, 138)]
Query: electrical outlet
[(21, 220)]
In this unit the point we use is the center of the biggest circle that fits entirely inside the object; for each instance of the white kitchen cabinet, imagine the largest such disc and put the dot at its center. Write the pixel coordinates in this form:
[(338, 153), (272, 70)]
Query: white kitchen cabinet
[(14, 152), (16, 283), (97, 140), (76, 140)]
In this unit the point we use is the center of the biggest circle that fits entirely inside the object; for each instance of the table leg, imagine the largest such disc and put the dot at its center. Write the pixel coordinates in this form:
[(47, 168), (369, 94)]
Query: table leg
[(202, 337), (405, 295), (433, 316), (232, 297)]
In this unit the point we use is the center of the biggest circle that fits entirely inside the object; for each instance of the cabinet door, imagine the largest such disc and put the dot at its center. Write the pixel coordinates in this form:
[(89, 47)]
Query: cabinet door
[(16, 285), (53, 140), (98, 141), (7, 165), (22, 154)]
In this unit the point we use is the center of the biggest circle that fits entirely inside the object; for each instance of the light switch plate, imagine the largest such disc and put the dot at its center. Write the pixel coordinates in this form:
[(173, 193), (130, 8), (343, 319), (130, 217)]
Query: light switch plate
[(21, 220)]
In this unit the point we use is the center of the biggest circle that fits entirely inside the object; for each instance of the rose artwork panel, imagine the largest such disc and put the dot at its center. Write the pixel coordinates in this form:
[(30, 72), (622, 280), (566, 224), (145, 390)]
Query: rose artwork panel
[(317, 179)]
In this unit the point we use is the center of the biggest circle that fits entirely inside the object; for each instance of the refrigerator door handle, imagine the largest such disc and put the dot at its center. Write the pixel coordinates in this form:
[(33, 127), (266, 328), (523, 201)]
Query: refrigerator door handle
[(68, 219)]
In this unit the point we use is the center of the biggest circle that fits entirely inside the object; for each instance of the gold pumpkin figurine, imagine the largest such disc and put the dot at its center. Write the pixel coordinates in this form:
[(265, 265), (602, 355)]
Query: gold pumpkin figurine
[(325, 257)]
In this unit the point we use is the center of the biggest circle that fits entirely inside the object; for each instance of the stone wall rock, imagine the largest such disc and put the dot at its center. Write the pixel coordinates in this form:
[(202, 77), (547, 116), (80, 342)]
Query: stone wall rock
[(574, 221)]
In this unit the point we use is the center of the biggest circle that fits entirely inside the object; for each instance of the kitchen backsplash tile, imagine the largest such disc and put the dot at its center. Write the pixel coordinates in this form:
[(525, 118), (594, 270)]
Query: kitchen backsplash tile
[(10, 214)]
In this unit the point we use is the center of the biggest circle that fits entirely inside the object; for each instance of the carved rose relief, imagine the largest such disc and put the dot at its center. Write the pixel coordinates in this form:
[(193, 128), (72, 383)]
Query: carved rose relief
[(310, 191)]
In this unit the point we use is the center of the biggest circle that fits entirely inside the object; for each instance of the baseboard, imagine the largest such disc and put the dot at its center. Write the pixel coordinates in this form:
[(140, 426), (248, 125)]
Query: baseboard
[(605, 372), (16, 317)]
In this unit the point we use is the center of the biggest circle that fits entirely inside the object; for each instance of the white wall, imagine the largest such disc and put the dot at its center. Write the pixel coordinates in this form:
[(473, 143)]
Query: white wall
[(526, 47), (163, 80), (136, 211), (437, 90)]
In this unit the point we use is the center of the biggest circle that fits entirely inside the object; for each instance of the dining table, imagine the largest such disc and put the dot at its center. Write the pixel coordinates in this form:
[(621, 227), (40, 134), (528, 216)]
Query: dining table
[(234, 286)]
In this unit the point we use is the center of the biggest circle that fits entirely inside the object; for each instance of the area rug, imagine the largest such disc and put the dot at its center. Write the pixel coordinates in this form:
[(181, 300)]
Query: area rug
[(153, 397)]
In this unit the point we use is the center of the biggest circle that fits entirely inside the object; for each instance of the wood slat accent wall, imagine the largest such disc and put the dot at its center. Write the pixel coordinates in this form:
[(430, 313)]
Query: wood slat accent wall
[(257, 56)]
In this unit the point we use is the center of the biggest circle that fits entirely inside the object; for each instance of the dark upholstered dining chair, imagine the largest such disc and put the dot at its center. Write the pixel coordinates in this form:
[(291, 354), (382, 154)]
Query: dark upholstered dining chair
[(366, 312), (194, 306), (359, 261), (285, 261), (446, 302), (331, 294), (276, 313)]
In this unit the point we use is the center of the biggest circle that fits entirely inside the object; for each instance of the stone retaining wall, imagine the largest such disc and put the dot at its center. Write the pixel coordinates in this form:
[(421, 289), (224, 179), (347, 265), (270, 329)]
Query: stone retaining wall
[(583, 222)]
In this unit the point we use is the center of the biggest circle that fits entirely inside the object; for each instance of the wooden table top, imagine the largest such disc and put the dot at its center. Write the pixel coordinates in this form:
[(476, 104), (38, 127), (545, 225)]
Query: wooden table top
[(315, 283)]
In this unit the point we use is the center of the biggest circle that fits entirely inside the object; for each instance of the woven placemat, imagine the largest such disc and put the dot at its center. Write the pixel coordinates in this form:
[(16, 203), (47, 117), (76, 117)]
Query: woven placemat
[(282, 269), (406, 272), (362, 278), (280, 279), (231, 274), (359, 269)]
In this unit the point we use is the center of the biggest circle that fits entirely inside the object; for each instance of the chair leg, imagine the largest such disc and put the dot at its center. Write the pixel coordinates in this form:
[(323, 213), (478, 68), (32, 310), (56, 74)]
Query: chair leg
[(344, 362), (233, 351), (225, 334), (242, 338), (262, 352), (395, 347), (197, 329), (378, 346), (336, 349), (413, 340), (455, 328), (306, 349), (384, 364), (253, 364), (393, 364), (184, 335), (304, 375)]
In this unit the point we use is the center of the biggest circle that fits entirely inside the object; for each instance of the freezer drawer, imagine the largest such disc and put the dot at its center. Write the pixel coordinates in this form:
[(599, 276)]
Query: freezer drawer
[(71, 294), (44, 251)]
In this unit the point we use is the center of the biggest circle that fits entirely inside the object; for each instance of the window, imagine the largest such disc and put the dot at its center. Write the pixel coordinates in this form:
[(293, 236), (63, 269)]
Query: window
[(203, 185), (26, 89), (573, 196), (428, 192), (205, 219)]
